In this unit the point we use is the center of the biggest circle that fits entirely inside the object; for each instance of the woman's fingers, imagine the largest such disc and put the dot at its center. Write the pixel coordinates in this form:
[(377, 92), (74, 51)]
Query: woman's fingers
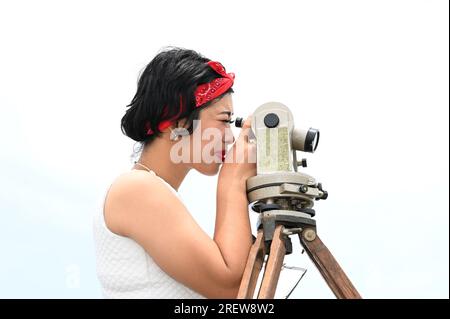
[(247, 123), (246, 127)]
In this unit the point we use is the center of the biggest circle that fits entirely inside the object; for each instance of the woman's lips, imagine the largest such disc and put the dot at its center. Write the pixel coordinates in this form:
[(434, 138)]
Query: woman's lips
[(221, 155)]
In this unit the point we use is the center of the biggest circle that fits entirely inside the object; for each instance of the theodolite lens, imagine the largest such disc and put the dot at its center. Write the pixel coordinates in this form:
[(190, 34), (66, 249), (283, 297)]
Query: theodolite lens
[(312, 140)]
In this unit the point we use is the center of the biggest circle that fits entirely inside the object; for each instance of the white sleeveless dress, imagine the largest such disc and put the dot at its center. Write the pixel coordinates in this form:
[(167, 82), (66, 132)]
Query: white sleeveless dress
[(126, 270)]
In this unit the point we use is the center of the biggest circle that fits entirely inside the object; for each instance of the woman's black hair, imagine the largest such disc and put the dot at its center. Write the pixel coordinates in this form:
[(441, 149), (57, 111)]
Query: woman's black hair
[(172, 73)]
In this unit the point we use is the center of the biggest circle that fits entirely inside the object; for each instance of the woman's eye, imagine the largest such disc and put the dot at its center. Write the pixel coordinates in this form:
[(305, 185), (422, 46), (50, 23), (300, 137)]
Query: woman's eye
[(230, 121)]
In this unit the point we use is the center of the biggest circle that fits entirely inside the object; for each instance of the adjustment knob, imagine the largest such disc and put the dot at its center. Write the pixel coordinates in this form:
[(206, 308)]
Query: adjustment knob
[(302, 163), (271, 120)]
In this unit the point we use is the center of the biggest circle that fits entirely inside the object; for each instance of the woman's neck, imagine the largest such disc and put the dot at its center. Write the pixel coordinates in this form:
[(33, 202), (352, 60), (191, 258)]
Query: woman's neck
[(157, 158)]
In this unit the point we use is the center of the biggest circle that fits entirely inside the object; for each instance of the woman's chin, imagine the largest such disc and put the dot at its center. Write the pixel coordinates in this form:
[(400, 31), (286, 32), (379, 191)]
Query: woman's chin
[(209, 169)]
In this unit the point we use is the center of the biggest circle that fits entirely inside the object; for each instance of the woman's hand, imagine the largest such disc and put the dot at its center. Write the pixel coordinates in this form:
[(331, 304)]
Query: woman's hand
[(240, 161)]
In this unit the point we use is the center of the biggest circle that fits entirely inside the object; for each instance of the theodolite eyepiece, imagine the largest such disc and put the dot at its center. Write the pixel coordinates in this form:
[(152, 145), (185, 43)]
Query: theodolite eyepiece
[(239, 122)]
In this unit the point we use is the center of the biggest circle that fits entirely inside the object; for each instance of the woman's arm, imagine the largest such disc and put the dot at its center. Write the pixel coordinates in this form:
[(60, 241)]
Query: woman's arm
[(232, 230), (144, 209)]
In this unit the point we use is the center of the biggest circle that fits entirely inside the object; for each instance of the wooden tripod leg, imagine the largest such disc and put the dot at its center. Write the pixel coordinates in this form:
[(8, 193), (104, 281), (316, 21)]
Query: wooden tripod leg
[(253, 267), (329, 268), (273, 266)]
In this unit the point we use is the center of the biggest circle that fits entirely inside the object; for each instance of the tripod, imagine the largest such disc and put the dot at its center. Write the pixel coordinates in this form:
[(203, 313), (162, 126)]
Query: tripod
[(272, 239)]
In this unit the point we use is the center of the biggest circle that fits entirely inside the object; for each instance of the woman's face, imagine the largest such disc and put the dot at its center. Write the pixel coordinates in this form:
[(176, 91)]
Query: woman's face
[(212, 136)]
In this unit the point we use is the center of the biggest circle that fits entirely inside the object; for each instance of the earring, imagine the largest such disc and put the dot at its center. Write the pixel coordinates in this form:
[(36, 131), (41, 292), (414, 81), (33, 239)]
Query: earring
[(173, 135), (177, 132)]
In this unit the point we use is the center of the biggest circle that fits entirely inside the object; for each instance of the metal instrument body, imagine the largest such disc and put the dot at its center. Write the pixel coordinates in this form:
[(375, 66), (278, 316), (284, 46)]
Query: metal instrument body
[(284, 198)]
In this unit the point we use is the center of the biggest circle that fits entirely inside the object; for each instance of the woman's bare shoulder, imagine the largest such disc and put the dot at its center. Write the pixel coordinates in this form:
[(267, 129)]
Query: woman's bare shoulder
[(136, 182), (126, 193), (135, 175)]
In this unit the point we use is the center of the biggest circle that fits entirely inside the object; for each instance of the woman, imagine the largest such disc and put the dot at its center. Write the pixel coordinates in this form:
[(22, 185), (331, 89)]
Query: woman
[(147, 243)]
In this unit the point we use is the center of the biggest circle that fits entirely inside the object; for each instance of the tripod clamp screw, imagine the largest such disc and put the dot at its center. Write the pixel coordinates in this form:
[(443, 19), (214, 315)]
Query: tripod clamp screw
[(303, 188), (309, 234)]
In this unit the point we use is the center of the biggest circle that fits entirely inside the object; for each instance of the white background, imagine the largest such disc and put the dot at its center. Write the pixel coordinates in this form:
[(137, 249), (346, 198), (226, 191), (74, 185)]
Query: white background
[(371, 75)]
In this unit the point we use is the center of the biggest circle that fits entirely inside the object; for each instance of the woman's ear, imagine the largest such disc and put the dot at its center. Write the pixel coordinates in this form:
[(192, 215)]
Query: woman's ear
[(178, 130), (181, 123)]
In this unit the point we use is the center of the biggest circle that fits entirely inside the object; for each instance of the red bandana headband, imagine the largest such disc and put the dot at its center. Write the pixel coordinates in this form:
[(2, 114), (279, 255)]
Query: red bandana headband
[(204, 93), (209, 91)]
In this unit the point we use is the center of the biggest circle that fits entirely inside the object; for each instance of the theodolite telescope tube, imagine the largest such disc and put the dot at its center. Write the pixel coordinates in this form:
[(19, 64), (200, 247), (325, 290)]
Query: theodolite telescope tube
[(305, 140)]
